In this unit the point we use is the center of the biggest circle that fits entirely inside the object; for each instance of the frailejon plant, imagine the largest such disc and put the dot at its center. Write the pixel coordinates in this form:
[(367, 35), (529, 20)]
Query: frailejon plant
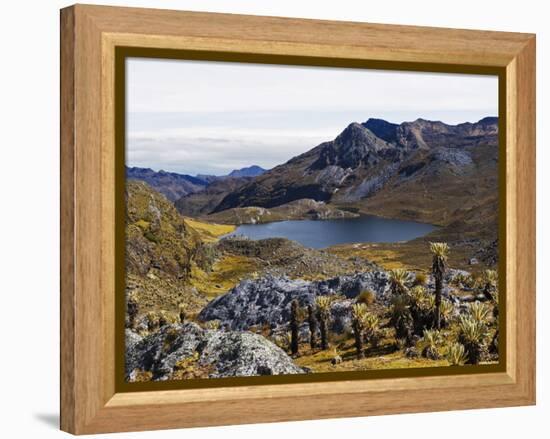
[(429, 343), (398, 278), (312, 322), (447, 310), (294, 326), (472, 335), (372, 329), (456, 356), (358, 319), (490, 282), (401, 319), (421, 309), (323, 315), (440, 253), (132, 309), (479, 312), (182, 308)]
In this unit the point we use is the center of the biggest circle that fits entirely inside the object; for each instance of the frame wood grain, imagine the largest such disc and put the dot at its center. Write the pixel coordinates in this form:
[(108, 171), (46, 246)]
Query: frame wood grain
[(89, 36)]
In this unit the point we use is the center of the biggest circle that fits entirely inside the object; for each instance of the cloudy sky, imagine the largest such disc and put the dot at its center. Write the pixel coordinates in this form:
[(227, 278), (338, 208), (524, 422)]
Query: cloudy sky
[(197, 117)]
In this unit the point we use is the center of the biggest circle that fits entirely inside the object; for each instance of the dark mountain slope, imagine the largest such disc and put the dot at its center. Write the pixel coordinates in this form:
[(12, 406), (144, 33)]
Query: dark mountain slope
[(203, 202), (173, 186)]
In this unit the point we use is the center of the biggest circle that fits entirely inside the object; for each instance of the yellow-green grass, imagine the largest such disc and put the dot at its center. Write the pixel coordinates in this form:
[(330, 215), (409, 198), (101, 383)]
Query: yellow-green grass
[(225, 274), (209, 232), (413, 255)]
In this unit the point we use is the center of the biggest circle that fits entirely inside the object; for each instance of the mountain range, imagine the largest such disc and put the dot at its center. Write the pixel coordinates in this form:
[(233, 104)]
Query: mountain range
[(423, 170), (175, 186)]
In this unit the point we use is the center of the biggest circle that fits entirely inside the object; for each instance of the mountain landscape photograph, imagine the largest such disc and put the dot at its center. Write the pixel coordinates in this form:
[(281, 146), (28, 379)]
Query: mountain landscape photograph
[(285, 220)]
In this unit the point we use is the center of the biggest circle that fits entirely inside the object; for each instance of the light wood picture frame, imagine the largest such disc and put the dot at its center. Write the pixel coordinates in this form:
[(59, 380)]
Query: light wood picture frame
[(92, 399)]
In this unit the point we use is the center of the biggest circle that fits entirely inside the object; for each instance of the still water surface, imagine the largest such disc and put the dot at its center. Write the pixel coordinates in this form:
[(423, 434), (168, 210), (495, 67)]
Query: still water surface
[(321, 234)]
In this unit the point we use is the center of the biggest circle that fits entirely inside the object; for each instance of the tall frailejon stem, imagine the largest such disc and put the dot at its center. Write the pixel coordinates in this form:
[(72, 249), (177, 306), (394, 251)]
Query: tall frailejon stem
[(323, 314), (358, 316), (440, 253), (294, 327), (312, 322)]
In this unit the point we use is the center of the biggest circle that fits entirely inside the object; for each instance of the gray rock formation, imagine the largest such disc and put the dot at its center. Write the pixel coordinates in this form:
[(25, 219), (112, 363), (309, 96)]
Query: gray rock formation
[(266, 301), (221, 353)]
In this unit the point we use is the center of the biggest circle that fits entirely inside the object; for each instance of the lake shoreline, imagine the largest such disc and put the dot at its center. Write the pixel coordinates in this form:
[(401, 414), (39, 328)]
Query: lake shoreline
[(321, 234)]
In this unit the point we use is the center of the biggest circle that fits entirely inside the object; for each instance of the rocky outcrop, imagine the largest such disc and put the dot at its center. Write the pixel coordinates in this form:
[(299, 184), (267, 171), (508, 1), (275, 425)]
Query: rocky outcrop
[(216, 353), (295, 210), (266, 301)]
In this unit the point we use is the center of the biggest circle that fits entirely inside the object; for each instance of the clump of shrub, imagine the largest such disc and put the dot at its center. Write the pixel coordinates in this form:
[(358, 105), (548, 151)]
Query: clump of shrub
[(190, 367), (141, 376), (366, 297), (152, 321), (420, 279)]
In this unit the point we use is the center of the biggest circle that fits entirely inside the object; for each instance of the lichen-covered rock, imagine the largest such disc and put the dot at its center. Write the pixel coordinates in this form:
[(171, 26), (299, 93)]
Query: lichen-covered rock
[(218, 353), (245, 354)]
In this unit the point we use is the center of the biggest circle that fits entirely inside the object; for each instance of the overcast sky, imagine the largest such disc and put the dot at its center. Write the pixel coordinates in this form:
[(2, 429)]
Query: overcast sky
[(198, 117)]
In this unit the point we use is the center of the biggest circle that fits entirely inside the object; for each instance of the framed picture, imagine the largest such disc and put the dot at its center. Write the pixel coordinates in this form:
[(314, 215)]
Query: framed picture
[(270, 219)]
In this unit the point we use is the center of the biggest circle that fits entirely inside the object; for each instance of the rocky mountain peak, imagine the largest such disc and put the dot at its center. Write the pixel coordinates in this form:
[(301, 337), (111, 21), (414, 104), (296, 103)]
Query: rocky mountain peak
[(355, 146), (383, 129)]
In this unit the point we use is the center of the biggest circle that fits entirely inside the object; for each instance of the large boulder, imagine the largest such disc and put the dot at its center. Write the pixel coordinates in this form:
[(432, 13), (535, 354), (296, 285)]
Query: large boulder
[(219, 353)]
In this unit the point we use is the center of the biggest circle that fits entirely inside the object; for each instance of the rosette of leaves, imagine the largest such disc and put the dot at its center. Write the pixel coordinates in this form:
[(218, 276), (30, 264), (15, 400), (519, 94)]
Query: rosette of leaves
[(429, 344), (398, 279), (472, 335), (456, 355)]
